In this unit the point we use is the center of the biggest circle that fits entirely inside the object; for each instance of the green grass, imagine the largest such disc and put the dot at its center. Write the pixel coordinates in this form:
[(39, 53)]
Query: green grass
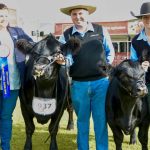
[(66, 139)]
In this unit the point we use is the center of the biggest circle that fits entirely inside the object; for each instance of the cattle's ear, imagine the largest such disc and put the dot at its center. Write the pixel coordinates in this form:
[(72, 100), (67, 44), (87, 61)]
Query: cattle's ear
[(115, 71), (109, 69), (73, 44), (24, 46)]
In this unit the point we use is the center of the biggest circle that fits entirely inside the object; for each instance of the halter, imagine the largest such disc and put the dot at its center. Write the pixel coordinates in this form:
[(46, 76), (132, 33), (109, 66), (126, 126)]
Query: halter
[(51, 59), (126, 89)]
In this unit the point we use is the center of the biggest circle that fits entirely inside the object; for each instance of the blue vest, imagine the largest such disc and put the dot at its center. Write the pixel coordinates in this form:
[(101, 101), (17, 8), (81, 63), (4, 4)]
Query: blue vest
[(140, 46), (17, 33)]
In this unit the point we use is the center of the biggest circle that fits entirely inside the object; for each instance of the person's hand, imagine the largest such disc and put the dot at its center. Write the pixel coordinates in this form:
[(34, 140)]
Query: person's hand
[(145, 65), (60, 59)]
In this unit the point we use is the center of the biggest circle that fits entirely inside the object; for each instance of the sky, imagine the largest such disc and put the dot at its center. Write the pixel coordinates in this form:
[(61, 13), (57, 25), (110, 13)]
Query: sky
[(49, 10), (43, 14)]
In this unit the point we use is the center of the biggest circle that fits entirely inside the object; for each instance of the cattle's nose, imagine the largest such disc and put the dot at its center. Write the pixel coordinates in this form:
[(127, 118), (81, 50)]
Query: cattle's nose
[(38, 70), (142, 90), (127, 130)]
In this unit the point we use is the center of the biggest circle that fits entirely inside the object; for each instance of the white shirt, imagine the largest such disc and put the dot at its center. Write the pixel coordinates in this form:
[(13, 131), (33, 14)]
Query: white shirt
[(14, 76)]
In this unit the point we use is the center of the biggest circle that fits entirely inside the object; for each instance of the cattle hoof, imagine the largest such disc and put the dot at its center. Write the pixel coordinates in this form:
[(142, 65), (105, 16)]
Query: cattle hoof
[(70, 126), (132, 142), (53, 147), (28, 147)]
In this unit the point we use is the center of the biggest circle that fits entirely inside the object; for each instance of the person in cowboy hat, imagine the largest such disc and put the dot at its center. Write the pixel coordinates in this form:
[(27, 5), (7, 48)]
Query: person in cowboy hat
[(88, 67), (141, 42)]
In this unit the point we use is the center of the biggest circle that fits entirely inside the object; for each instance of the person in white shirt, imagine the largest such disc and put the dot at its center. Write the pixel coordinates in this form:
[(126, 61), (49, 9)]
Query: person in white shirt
[(12, 65)]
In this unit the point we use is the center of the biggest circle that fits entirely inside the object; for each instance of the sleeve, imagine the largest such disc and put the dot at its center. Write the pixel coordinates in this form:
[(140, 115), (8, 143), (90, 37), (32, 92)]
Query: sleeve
[(22, 35), (27, 37), (108, 46), (68, 57), (62, 39), (133, 54)]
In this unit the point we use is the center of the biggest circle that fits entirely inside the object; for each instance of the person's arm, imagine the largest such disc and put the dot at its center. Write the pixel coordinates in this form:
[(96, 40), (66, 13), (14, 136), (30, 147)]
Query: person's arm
[(108, 46), (68, 57), (21, 35), (29, 39), (62, 39), (24, 42), (133, 54)]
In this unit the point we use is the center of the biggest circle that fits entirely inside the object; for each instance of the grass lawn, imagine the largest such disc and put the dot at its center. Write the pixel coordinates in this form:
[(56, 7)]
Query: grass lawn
[(66, 139)]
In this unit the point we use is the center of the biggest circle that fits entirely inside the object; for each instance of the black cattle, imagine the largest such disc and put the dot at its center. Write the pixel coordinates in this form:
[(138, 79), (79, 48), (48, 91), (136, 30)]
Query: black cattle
[(43, 94), (126, 107)]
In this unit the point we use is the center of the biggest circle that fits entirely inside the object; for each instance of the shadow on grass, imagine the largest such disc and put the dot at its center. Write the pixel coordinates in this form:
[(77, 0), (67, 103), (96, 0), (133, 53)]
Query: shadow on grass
[(111, 139), (66, 140)]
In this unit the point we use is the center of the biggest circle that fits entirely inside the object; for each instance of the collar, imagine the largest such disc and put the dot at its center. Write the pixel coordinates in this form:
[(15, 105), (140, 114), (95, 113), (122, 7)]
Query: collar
[(89, 28), (142, 35), (13, 32)]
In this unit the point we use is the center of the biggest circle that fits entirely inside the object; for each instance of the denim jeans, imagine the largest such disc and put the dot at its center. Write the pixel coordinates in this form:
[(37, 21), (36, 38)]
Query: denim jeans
[(89, 98), (7, 107)]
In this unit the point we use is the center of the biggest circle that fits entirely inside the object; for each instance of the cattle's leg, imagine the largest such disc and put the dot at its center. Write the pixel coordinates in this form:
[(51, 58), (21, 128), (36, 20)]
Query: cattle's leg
[(29, 125), (118, 137), (53, 129), (133, 137), (143, 135), (70, 120)]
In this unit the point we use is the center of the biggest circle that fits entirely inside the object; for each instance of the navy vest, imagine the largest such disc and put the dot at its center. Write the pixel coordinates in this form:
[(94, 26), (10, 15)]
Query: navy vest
[(140, 47), (90, 61)]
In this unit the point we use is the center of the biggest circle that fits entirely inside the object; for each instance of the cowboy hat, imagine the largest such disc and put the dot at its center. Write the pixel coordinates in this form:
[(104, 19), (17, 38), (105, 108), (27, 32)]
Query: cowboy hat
[(145, 10), (67, 10)]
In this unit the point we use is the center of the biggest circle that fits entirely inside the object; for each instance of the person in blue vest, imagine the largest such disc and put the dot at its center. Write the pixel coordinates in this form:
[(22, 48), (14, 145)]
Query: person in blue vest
[(140, 44), (11, 69), (88, 67)]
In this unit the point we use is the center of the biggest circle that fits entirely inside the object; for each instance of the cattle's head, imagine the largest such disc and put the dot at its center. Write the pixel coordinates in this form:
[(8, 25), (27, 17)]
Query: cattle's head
[(44, 53), (131, 78)]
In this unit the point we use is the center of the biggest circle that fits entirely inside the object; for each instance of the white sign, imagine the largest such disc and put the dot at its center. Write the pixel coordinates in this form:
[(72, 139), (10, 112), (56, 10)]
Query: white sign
[(44, 106)]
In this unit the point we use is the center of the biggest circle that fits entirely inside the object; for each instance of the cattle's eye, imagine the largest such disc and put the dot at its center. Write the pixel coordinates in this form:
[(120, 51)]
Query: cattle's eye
[(125, 78), (42, 60)]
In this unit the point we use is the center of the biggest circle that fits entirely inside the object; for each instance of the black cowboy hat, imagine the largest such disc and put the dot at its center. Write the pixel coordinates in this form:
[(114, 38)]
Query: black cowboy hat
[(144, 11)]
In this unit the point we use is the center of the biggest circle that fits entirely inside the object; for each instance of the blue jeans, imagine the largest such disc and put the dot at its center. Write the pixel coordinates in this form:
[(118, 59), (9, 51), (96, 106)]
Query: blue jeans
[(7, 107), (89, 97)]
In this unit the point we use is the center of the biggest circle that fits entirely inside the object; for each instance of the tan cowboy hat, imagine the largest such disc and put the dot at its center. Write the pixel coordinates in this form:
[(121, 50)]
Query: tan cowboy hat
[(67, 10), (144, 11)]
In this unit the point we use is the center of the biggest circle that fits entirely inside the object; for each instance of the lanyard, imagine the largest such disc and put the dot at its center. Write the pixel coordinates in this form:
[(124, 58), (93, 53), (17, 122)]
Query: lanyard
[(4, 71)]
